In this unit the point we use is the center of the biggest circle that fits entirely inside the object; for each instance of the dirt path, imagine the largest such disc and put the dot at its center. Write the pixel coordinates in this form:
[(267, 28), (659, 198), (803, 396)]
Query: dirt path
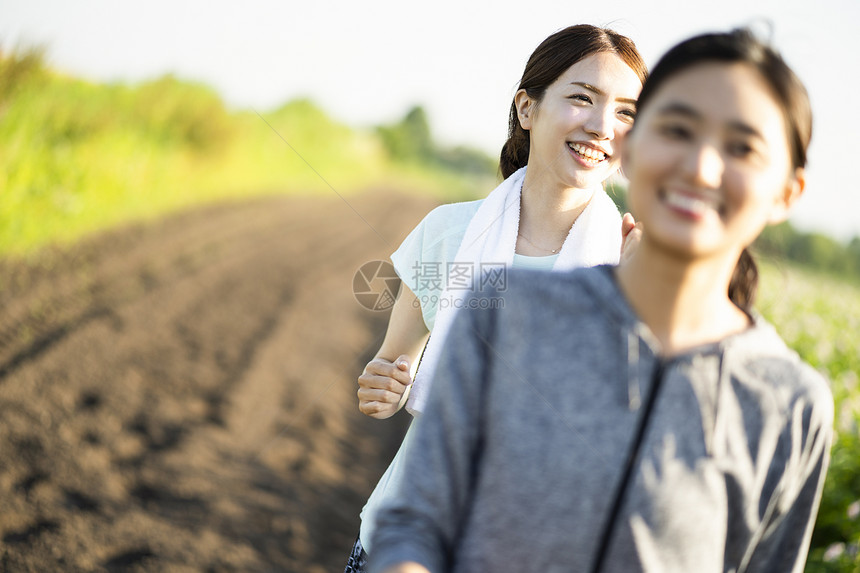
[(180, 396)]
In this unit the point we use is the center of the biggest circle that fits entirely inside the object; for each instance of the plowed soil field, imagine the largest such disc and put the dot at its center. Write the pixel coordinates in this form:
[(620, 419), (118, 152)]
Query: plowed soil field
[(180, 395)]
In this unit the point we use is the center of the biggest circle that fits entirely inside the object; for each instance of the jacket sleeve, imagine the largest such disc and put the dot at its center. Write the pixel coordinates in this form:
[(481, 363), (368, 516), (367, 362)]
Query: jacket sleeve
[(786, 532), (421, 524)]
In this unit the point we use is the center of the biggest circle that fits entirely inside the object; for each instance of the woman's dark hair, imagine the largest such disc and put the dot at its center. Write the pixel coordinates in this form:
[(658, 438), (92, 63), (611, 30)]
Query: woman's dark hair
[(551, 59), (742, 46)]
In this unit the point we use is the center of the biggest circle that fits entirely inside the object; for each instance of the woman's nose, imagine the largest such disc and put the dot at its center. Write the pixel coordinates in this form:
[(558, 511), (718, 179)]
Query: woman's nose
[(600, 122), (704, 166)]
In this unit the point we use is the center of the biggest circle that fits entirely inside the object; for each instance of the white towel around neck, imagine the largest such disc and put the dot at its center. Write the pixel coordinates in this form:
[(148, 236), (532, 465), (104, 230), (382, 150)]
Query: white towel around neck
[(491, 237)]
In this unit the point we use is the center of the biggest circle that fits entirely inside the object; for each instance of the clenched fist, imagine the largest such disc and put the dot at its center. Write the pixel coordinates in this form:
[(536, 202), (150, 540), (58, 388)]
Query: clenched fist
[(382, 386)]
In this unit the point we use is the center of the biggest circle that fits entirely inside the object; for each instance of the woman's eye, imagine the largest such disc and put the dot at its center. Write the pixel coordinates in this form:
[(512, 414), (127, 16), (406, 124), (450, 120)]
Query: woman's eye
[(628, 113), (581, 97), (675, 131), (740, 149)]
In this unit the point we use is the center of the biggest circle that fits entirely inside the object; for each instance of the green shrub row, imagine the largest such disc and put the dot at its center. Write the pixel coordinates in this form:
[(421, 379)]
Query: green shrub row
[(77, 157)]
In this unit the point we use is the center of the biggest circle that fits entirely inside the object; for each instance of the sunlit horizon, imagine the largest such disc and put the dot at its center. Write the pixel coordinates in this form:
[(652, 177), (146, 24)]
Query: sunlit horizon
[(368, 64)]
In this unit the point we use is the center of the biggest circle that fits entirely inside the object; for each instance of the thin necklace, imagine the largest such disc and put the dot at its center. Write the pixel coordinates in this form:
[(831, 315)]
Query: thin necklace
[(553, 251)]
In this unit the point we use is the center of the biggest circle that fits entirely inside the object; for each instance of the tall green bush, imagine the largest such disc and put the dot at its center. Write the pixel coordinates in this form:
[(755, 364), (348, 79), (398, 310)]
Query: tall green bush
[(819, 317)]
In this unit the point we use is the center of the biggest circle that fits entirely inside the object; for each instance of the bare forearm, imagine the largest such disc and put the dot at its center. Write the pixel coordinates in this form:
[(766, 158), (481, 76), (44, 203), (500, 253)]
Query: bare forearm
[(383, 384)]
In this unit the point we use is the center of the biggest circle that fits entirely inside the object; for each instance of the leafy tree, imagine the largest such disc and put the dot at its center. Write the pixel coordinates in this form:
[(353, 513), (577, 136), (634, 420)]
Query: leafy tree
[(466, 160), (409, 139)]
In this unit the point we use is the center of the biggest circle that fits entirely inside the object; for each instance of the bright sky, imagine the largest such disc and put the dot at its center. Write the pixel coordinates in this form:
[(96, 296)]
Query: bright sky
[(368, 62)]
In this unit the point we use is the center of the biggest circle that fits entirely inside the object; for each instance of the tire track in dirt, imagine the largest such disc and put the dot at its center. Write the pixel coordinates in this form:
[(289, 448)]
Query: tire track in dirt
[(180, 396)]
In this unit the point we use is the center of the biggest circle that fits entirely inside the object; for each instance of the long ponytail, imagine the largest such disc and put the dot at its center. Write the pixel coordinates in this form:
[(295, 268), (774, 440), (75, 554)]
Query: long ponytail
[(744, 283), (515, 151)]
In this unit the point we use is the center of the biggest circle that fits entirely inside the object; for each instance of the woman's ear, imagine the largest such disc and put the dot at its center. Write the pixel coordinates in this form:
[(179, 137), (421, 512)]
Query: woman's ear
[(783, 202), (525, 108)]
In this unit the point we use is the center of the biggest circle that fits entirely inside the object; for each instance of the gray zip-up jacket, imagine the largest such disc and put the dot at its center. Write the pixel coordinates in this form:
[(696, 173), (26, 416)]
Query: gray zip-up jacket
[(534, 455)]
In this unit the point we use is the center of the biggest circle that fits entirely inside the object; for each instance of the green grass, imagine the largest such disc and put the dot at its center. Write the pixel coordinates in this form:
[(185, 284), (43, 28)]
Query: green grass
[(78, 157), (819, 317)]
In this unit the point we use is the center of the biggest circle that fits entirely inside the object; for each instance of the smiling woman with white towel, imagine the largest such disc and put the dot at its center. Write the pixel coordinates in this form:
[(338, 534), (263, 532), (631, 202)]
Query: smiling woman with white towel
[(575, 103)]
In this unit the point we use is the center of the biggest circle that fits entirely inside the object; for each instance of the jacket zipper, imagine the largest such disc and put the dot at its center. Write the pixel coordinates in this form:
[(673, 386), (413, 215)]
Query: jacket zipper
[(632, 457)]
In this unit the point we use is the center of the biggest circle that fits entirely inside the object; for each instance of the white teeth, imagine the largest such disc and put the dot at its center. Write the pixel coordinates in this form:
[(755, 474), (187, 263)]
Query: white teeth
[(587, 152), (695, 205)]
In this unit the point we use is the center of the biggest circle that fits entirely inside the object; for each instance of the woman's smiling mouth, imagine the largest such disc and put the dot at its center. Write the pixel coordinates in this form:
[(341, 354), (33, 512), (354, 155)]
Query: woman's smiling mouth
[(692, 205), (588, 155)]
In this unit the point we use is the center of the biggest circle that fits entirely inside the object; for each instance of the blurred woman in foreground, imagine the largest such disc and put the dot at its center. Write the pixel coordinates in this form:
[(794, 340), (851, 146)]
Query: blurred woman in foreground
[(640, 417)]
